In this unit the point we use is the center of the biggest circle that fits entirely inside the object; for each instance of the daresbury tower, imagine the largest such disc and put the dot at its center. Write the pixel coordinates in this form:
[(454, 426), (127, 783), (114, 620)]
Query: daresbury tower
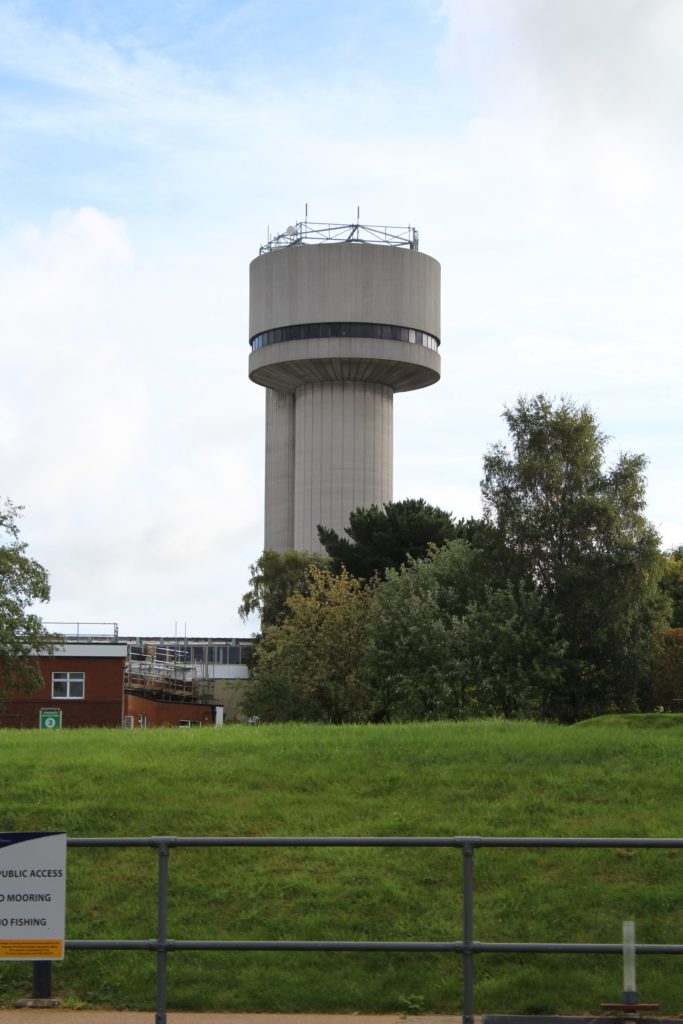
[(341, 317)]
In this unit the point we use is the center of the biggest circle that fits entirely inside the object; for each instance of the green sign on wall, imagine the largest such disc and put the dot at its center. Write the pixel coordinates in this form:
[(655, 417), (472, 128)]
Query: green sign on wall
[(50, 718)]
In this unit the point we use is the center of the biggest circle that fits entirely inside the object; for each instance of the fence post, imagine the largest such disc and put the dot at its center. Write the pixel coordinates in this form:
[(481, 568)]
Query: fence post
[(42, 979), (468, 932), (162, 928)]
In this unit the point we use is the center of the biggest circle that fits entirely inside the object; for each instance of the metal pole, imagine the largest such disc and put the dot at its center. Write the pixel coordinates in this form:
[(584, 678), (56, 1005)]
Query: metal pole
[(468, 933), (162, 929), (42, 979), (630, 992)]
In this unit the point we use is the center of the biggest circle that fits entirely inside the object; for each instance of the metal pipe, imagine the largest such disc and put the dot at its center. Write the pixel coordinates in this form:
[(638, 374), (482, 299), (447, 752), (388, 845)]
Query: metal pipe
[(468, 948), (42, 979), (629, 939), (163, 851), (468, 932)]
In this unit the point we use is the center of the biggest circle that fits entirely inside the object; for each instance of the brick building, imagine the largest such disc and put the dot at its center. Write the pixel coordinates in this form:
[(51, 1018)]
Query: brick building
[(96, 678), (82, 680)]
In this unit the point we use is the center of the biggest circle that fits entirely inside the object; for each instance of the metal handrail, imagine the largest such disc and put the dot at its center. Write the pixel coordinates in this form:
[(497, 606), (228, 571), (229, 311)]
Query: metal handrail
[(306, 231), (467, 947), (84, 632)]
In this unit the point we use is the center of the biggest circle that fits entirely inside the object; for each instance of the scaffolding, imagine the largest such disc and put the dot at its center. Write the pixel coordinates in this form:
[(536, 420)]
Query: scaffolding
[(167, 672)]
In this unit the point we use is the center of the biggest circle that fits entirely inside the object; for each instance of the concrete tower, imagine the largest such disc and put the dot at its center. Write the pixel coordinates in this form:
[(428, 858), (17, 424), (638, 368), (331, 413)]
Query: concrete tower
[(340, 318)]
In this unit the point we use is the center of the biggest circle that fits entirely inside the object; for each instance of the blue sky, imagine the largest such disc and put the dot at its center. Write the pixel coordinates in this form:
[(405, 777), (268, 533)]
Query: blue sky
[(145, 150)]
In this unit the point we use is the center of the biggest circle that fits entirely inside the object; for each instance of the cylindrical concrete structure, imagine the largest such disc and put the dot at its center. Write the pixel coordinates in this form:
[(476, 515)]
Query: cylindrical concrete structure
[(335, 330), (279, 492), (343, 454)]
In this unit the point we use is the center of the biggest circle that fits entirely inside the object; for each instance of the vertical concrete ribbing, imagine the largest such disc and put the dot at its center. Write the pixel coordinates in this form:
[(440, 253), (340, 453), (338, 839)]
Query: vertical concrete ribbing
[(339, 464), (279, 495)]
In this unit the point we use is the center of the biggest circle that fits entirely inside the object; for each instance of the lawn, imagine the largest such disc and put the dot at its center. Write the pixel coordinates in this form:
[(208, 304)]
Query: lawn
[(617, 776)]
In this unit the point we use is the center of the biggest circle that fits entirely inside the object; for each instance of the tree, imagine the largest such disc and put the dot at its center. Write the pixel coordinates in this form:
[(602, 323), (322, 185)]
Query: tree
[(276, 576), (672, 584), (511, 655), (385, 538), (413, 649), (307, 667), (23, 582), (667, 669), (444, 641), (574, 530)]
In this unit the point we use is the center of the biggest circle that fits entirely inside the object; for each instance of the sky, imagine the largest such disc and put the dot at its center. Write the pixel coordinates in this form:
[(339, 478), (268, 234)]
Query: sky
[(147, 149)]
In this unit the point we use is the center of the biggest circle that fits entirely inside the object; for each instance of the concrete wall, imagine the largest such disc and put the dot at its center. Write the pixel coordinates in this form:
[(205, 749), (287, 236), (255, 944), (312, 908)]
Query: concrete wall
[(347, 281), (399, 365), (344, 454), (279, 491), (230, 693)]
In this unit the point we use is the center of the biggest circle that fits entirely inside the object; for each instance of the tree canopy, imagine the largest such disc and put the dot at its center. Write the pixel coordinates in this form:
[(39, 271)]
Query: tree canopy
[(308, 666), (672, 584), (552, 606), (276, 576), (574, 529), (23, 582), (385, 538)]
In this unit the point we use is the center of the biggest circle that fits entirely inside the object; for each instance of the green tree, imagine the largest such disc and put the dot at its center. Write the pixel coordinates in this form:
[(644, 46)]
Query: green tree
[(413, 649), (445, 642), (307, 667), (575, 531), (276, 576), (385, 538), (667, 669), (511, 655), (672, 584), (23, 582)]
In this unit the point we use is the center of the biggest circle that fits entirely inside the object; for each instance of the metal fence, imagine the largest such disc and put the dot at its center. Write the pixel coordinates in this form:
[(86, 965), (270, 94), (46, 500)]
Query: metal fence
[(467, 947)]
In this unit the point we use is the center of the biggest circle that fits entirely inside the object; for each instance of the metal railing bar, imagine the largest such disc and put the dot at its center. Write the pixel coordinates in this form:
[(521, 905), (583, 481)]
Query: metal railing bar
[(149, 945), (318, 946), (467, 948), (294, 841), (572, 947), (266, 945), (468, 932), (573, 843), (383, 841), (406, 947), (163, 853), (116, 841)]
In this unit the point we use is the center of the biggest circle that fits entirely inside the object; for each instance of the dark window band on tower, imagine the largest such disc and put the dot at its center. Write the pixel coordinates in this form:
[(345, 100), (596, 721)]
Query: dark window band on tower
[(385, 332)]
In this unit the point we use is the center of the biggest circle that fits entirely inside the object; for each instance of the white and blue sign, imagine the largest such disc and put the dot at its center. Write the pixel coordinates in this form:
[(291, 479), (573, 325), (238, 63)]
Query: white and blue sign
[(32, 895)]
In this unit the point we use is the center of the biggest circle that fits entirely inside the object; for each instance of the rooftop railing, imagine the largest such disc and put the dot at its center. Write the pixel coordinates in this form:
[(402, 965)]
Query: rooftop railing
[(85, 632), (306, 231)]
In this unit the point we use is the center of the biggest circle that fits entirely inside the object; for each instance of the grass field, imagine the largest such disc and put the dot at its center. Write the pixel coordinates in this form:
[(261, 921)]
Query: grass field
[(619, 776)]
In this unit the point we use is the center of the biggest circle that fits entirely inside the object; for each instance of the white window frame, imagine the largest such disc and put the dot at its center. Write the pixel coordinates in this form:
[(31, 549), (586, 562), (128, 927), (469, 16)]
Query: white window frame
[(70, 678)]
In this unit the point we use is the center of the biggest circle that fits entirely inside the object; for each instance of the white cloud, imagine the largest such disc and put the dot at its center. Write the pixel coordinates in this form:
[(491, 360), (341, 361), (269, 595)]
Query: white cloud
[(138, 482)]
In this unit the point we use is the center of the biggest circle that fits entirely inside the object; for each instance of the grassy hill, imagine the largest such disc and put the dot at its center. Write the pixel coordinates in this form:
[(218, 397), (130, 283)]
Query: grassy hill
[(604, 778)]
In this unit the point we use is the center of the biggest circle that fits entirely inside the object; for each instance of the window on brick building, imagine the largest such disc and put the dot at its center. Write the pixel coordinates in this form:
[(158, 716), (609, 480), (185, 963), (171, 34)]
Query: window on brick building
[(68, 685)]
